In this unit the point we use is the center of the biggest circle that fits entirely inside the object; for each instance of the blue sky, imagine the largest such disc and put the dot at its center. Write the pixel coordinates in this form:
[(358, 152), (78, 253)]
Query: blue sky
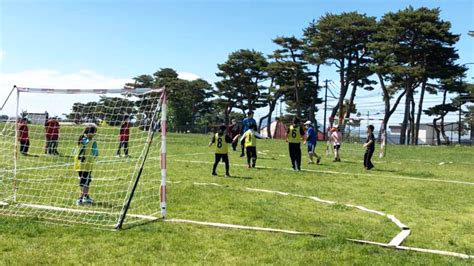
[(116, 40)]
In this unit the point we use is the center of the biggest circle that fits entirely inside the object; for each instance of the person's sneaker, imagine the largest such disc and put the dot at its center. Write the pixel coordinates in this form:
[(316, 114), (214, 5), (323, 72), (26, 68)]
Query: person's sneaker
[(318, 160), (335, 160), (79, 202), (214, 174), (249, 166), (117, 156), (88, 200), (227, 175), (242, 155)]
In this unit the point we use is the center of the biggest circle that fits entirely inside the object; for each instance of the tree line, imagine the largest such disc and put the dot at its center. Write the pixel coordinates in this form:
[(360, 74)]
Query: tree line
[(405, 53)]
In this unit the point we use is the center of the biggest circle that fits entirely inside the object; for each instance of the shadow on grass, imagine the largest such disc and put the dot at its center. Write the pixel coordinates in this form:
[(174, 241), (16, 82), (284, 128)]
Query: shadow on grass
[(138, 224), (238, 177)]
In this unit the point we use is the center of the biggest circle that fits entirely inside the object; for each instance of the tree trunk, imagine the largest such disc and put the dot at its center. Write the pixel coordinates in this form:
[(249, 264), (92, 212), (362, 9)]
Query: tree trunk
[(312, 110), (436, 129), (420, 109), (403, 130)]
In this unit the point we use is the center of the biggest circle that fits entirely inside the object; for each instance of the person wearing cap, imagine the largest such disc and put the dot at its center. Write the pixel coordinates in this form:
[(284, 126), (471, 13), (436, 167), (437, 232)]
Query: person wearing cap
[(311, 140), (294, 135), (369, 148), (246, 125), (233, 130), (222, 140), (336, 138), (52, 136)]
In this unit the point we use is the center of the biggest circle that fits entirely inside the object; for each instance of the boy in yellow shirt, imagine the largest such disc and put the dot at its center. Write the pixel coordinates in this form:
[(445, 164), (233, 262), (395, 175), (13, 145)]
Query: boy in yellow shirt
[(222, 140)]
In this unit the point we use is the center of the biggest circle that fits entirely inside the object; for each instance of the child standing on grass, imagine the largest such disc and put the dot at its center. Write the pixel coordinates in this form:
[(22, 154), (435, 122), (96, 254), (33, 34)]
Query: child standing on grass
[(311, 140), (87, 152), (336, 138), (222, 140), (23, 136), (124, 136), (294, 135), (250, 142), (369, 148)]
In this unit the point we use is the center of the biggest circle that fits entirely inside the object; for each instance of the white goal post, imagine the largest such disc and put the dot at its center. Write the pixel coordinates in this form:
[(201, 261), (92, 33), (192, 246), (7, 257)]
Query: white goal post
[(93, 161)]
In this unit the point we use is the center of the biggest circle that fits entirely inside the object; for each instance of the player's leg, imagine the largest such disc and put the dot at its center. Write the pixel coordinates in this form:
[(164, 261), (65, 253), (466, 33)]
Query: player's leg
[(225, 158), (254, 156), (119, 148), (217, 158), (369, 159), (291, 149), (298, 157), (125, 148), (249, 156), (310, 153)]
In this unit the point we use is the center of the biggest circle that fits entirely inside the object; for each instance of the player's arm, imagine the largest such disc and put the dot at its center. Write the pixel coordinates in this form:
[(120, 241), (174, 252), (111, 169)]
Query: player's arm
[(258, 136), (228, 139), (213, 140), (287, 133), (236, 137)]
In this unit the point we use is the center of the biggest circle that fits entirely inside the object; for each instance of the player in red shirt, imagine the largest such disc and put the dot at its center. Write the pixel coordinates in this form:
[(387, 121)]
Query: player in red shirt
[(23, 136), (124, 137), (52, 136)]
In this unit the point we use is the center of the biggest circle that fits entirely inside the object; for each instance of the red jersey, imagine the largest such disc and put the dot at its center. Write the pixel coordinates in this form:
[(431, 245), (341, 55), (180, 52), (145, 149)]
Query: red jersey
[(23, 131), (124, 131), (52, 129)]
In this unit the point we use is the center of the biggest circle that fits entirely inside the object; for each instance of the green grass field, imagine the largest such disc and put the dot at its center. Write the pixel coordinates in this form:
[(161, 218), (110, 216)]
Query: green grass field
[(435, 200)]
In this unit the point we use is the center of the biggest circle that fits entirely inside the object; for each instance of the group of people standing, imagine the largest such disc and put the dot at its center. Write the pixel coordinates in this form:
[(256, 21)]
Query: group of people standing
[(295, 135)]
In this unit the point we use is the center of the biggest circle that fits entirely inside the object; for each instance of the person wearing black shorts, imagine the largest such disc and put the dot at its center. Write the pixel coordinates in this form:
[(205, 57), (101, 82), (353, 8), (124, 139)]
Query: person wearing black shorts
[(369, 148), (222, 140)]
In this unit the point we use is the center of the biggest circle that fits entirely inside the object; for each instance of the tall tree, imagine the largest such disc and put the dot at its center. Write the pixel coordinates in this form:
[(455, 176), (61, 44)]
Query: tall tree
[(342, 40), (242, 75), (290, 57), (421, 49)]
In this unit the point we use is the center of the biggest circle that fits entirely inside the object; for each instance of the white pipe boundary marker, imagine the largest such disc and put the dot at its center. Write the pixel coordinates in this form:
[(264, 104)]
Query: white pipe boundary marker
[(397, 239), (395, 243)]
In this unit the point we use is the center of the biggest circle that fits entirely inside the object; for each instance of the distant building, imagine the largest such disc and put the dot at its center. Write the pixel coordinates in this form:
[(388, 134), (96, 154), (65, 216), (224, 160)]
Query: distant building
[(426, 134), (278, 130)]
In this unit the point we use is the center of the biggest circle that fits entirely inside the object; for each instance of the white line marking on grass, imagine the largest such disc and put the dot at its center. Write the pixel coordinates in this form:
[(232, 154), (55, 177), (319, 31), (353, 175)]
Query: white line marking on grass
[(394, 243), (292, 232), (397, 240), (346, 173), (243, 227), (53, 208)]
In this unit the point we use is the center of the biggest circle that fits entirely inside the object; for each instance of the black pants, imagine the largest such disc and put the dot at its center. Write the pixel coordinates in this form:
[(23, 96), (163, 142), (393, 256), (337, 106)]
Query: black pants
[(367, 159), (234, 145), (85, 178), (52, 147), (123, 144), (225, 159), (295, 155), (251, 155), (24, 146)]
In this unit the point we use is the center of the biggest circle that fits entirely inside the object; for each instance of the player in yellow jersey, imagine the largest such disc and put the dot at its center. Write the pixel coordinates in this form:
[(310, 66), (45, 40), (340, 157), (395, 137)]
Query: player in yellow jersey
[(294, 136), (83, 161), (222, 140), (250, 142)]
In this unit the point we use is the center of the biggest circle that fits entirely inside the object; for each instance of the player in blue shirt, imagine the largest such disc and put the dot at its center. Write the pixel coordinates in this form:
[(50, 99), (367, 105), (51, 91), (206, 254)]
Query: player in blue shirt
[(311, 141)]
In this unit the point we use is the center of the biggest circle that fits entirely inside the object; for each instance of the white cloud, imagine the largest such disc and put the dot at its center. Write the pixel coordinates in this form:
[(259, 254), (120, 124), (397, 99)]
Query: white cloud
[(187, 76), (55, 104)]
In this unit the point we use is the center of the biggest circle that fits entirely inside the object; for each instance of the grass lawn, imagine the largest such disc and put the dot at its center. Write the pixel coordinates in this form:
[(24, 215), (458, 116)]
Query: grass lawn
[(429, 189)]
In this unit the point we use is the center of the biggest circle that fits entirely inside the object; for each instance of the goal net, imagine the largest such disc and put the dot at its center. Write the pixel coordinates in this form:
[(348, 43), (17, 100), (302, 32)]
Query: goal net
[(96, 156)]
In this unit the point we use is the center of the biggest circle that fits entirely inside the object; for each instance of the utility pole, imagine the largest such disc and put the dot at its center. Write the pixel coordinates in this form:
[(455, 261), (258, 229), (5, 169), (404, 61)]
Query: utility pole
[(325, 108)]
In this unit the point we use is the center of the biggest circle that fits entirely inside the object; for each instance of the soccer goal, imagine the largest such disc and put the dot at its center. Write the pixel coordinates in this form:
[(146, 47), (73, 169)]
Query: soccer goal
[(95, 159)]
